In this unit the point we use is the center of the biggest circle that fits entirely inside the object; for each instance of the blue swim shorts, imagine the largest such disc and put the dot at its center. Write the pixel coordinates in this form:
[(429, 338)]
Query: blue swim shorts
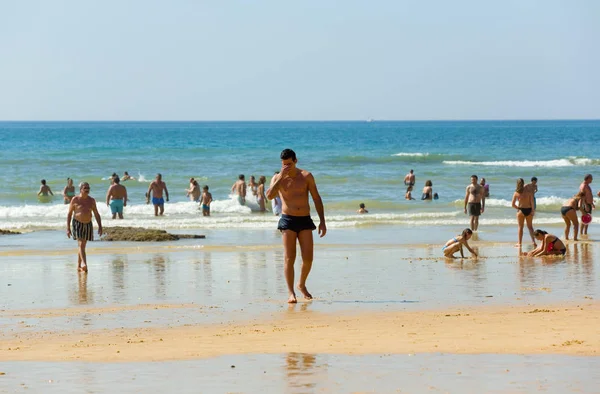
[(116, 206), (158, 201)]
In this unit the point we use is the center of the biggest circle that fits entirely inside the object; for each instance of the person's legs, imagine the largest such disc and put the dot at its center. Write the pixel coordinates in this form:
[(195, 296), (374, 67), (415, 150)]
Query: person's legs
[(520, 223), (572, 216), (289, 256), (475, 223), (162, 209), (449, 251), (155, 210), (529, 220), (82, 258), (305, 238), (472, 223), (567, 226)]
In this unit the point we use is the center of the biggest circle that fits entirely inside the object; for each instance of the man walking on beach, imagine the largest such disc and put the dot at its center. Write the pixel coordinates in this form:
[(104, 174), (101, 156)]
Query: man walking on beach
[(116, 198), (293, 184), (409, 179), (587, 202), (155, 190), (474, 202), (82, 206), (239, 188)]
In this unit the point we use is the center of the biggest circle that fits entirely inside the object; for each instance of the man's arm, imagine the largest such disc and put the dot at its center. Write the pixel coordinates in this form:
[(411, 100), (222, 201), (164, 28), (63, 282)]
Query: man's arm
[(97, 216), (243, 189), (274, 187), (52, 194), (125, 197), (482, 199), (466, 198), (40, 192), (149, 192), (166, 190), (108, 193), (312, 188), (69, 216)]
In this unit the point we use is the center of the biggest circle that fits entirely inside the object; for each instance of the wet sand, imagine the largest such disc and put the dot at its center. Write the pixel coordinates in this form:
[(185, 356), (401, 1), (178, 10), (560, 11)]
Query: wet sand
[(309, 373), (378, 292)]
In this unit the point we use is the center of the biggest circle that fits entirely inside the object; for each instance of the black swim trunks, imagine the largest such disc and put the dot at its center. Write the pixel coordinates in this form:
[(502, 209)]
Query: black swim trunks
[(587, 208), (525, 211), (295, 223), (82, 231), (565, 210), (474, 209)]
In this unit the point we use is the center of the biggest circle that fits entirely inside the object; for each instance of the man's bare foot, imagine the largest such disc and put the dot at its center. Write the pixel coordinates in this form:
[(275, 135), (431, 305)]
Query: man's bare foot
[(305, 292), (292, 299), (517, 245), (82, 268)]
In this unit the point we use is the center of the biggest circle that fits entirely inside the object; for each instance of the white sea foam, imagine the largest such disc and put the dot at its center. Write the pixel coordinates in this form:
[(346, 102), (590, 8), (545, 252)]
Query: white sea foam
[(542, 202), (416, 154), (567, 162)]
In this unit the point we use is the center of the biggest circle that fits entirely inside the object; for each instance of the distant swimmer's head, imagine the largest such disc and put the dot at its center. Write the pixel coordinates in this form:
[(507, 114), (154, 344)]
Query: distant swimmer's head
[(411, 171), (288, 158), (467, 233), (474, 179), (44, 182), (534, 180), (428, 183), (84, 187), (361, 205), (276, 172), (252, 178), (241, 177), (588, 178), (539, 234), (520, 185), (159, 177), (482, 183), (205, 188), (262, 180), (116, 180), (69, 182), (125, 173)]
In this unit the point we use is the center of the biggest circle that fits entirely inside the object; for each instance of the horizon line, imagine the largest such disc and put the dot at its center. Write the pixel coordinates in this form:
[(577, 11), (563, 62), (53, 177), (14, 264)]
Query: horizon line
[(369, 120)]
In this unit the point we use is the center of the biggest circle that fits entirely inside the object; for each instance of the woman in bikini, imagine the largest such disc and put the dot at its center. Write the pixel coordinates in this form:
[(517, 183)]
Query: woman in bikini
[(69, 191), (427, 191), (550, 245), (569, 214), (525, 209), (456, 244)]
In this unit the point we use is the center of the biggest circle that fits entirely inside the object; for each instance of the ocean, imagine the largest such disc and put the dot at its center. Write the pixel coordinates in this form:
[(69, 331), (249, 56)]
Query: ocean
[(352, 162)]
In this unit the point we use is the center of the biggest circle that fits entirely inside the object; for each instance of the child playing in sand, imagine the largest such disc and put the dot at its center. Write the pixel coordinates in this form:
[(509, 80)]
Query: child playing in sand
[(550, 245), (457, 243), (361, 208), (205, 201)]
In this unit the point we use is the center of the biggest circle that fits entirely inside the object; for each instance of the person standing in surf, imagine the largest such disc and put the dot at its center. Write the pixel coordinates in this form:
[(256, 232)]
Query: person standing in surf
[(409, 179), (525, 210), (587, 202), (68, 191), (474, 202), (79, 222), (155, 190), (293, 185)]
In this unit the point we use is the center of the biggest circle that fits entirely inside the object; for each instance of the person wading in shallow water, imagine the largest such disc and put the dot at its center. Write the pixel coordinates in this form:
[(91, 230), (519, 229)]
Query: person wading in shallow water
[(293, 185), (80, 227)]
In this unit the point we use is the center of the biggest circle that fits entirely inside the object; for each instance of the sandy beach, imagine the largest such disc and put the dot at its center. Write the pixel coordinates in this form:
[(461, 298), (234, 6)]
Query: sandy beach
[(551, 329)]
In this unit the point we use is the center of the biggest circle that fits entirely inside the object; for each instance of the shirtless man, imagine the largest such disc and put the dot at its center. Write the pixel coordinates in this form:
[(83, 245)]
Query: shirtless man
[(239, 188), (194, 191), (81, 225), (45, 189), (116, 198), (155, 190), (533, 189), (587, 202), (474, 201), (409, 179), (293, 185)]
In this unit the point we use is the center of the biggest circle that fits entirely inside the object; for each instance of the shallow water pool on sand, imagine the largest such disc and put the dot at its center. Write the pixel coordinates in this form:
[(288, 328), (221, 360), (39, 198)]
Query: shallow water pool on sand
[(307, 373)]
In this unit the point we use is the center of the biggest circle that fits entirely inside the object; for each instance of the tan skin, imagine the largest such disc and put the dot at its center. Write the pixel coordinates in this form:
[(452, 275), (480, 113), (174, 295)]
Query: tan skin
[(69, 188), (261, 194), (239, 188), (428, 190), (453, 246), (525, 200), (82, 207), (194, 191), (293, 185), (116, 191), (571, 217), (587, 199), (45, 190), (252, 185), (542, 250), (155, 190), (475, 194), (206, 200), (408, 195)]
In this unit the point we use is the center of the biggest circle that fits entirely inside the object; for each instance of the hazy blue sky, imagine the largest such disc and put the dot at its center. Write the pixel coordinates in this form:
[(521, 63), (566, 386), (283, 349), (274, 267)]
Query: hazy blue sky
[(253, 60)]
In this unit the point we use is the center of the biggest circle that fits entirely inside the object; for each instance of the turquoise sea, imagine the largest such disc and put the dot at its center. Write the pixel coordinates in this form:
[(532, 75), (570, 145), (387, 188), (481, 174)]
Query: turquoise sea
[(352, 162)]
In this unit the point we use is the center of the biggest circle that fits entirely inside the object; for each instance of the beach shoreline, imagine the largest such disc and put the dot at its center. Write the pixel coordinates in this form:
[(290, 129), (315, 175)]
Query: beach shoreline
[(567, 328)]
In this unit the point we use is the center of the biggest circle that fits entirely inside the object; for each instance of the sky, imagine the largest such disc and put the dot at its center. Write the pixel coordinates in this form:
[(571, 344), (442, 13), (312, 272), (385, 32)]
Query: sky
[(299, 60)]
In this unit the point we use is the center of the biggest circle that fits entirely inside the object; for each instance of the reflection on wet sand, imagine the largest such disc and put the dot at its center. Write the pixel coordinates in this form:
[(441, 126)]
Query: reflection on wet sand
[(83, 297), (117, 268), (158, 273), (303, 373)]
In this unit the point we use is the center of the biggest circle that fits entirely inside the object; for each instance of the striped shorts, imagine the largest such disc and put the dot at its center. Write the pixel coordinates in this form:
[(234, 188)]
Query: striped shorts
[(82, 231)]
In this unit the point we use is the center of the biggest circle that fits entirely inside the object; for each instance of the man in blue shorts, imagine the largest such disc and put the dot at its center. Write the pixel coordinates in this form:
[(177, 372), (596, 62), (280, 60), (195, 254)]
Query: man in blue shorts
[(156, 191), (116, 198)]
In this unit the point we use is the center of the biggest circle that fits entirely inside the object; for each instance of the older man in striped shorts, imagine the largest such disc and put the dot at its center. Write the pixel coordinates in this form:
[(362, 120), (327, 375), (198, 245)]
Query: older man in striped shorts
[(80, 227)]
